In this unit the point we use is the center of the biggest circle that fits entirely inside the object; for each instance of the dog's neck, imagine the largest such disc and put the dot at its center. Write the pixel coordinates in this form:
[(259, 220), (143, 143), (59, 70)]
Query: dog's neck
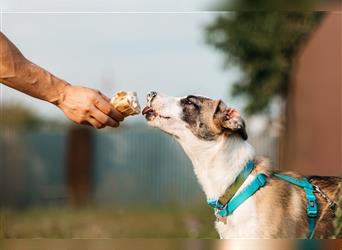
[(217, 163)]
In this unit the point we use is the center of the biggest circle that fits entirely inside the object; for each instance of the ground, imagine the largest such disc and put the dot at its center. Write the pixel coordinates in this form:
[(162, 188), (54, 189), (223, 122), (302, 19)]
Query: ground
[(94, 222)]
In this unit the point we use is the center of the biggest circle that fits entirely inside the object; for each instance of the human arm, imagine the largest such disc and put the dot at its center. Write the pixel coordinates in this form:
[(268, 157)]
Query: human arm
[(81, 105)]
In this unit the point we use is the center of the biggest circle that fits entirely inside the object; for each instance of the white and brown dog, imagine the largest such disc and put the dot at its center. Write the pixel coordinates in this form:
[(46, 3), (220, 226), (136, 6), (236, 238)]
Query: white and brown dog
[(214, 138)]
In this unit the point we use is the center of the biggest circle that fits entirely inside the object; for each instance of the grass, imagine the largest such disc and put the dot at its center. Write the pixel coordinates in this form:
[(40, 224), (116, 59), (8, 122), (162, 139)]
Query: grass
[(92, 222)]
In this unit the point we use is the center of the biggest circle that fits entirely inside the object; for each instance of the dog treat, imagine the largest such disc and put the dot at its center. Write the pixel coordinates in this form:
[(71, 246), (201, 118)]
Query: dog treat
[(126, 103)]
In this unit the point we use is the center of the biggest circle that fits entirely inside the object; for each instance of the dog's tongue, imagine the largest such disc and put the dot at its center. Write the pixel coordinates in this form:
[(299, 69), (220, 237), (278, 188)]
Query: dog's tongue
[(146, 110)]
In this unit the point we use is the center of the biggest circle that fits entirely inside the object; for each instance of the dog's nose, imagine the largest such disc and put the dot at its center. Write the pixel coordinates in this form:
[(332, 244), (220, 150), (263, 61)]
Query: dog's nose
[(150, 96)]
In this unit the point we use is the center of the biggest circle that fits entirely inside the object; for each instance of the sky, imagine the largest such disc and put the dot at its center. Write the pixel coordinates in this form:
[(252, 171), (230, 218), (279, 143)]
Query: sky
[(124, 50), (105, 5)]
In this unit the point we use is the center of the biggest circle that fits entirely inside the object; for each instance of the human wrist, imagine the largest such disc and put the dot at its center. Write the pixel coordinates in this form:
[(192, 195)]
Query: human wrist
[(61, 89)]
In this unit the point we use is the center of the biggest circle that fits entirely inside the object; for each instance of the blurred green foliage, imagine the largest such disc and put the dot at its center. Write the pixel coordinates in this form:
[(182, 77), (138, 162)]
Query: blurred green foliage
[(18, 116), (266, 5), (264, 45)]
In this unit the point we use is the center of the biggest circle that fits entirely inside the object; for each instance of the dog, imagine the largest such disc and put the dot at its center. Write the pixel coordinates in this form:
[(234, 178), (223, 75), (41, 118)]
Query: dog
[(214, 137)]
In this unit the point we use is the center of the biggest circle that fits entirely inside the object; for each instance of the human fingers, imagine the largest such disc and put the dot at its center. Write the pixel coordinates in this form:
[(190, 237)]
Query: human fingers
[(103, 118), (106, 108), (95, 123)]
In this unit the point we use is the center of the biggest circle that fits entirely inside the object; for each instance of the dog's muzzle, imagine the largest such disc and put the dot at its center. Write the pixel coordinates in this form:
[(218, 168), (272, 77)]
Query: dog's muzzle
[(148, 110)]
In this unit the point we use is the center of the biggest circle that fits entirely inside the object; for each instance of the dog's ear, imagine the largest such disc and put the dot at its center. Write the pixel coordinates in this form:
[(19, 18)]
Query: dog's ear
[(230, 119)]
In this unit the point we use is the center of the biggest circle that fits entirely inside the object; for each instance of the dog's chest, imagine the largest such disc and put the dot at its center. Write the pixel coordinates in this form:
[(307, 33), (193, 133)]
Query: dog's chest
[(243, 223)]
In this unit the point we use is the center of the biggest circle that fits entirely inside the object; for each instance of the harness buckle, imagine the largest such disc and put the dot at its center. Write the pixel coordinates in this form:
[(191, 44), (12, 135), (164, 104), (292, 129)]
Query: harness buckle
[(221, 212), (312, 208), (220, 209), (215, 204)]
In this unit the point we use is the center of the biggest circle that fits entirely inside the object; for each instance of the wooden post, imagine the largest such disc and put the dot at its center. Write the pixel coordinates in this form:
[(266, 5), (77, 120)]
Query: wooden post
[(79, 165)]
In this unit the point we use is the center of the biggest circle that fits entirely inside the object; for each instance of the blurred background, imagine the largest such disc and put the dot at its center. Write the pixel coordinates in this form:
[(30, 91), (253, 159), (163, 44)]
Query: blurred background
[(282, 70)]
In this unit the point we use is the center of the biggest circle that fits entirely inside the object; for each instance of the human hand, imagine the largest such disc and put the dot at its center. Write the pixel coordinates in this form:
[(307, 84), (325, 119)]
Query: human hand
[(88, 106)]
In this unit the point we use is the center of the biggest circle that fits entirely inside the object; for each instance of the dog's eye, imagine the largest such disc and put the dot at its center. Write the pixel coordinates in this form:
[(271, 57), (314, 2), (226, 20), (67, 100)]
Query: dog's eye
[(189, 102)]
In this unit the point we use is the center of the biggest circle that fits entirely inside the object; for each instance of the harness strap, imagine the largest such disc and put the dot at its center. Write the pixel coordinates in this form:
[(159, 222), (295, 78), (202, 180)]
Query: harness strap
[(223, 211), (312, 207), (231, 191), (221, 202), (259, 181), (304, 183)]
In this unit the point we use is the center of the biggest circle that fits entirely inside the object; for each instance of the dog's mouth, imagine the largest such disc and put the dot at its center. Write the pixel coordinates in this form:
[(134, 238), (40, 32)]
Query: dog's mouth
[(151, 114)]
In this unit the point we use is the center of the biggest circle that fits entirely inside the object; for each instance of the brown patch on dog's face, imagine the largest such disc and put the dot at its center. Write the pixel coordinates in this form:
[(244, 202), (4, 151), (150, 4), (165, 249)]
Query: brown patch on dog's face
[(208, 119), (198, 113)]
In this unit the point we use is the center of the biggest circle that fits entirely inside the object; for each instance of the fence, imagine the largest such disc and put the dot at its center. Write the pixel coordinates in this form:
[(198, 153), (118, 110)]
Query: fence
[(133, 165)]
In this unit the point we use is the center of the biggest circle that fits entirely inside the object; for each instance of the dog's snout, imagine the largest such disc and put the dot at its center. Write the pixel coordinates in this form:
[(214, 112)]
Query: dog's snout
[(151, 95)]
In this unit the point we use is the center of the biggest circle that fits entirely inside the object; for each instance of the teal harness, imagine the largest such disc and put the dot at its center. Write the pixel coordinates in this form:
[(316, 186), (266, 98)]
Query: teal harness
[(259, 181), (312, 206)]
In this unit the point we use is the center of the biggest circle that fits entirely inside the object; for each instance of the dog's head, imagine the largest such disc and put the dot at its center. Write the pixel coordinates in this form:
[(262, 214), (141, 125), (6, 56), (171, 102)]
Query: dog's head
[(205, 118)]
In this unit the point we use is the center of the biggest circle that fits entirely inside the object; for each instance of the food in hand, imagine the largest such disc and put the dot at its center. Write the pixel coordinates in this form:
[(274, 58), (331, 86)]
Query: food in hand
[(126, 103)]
